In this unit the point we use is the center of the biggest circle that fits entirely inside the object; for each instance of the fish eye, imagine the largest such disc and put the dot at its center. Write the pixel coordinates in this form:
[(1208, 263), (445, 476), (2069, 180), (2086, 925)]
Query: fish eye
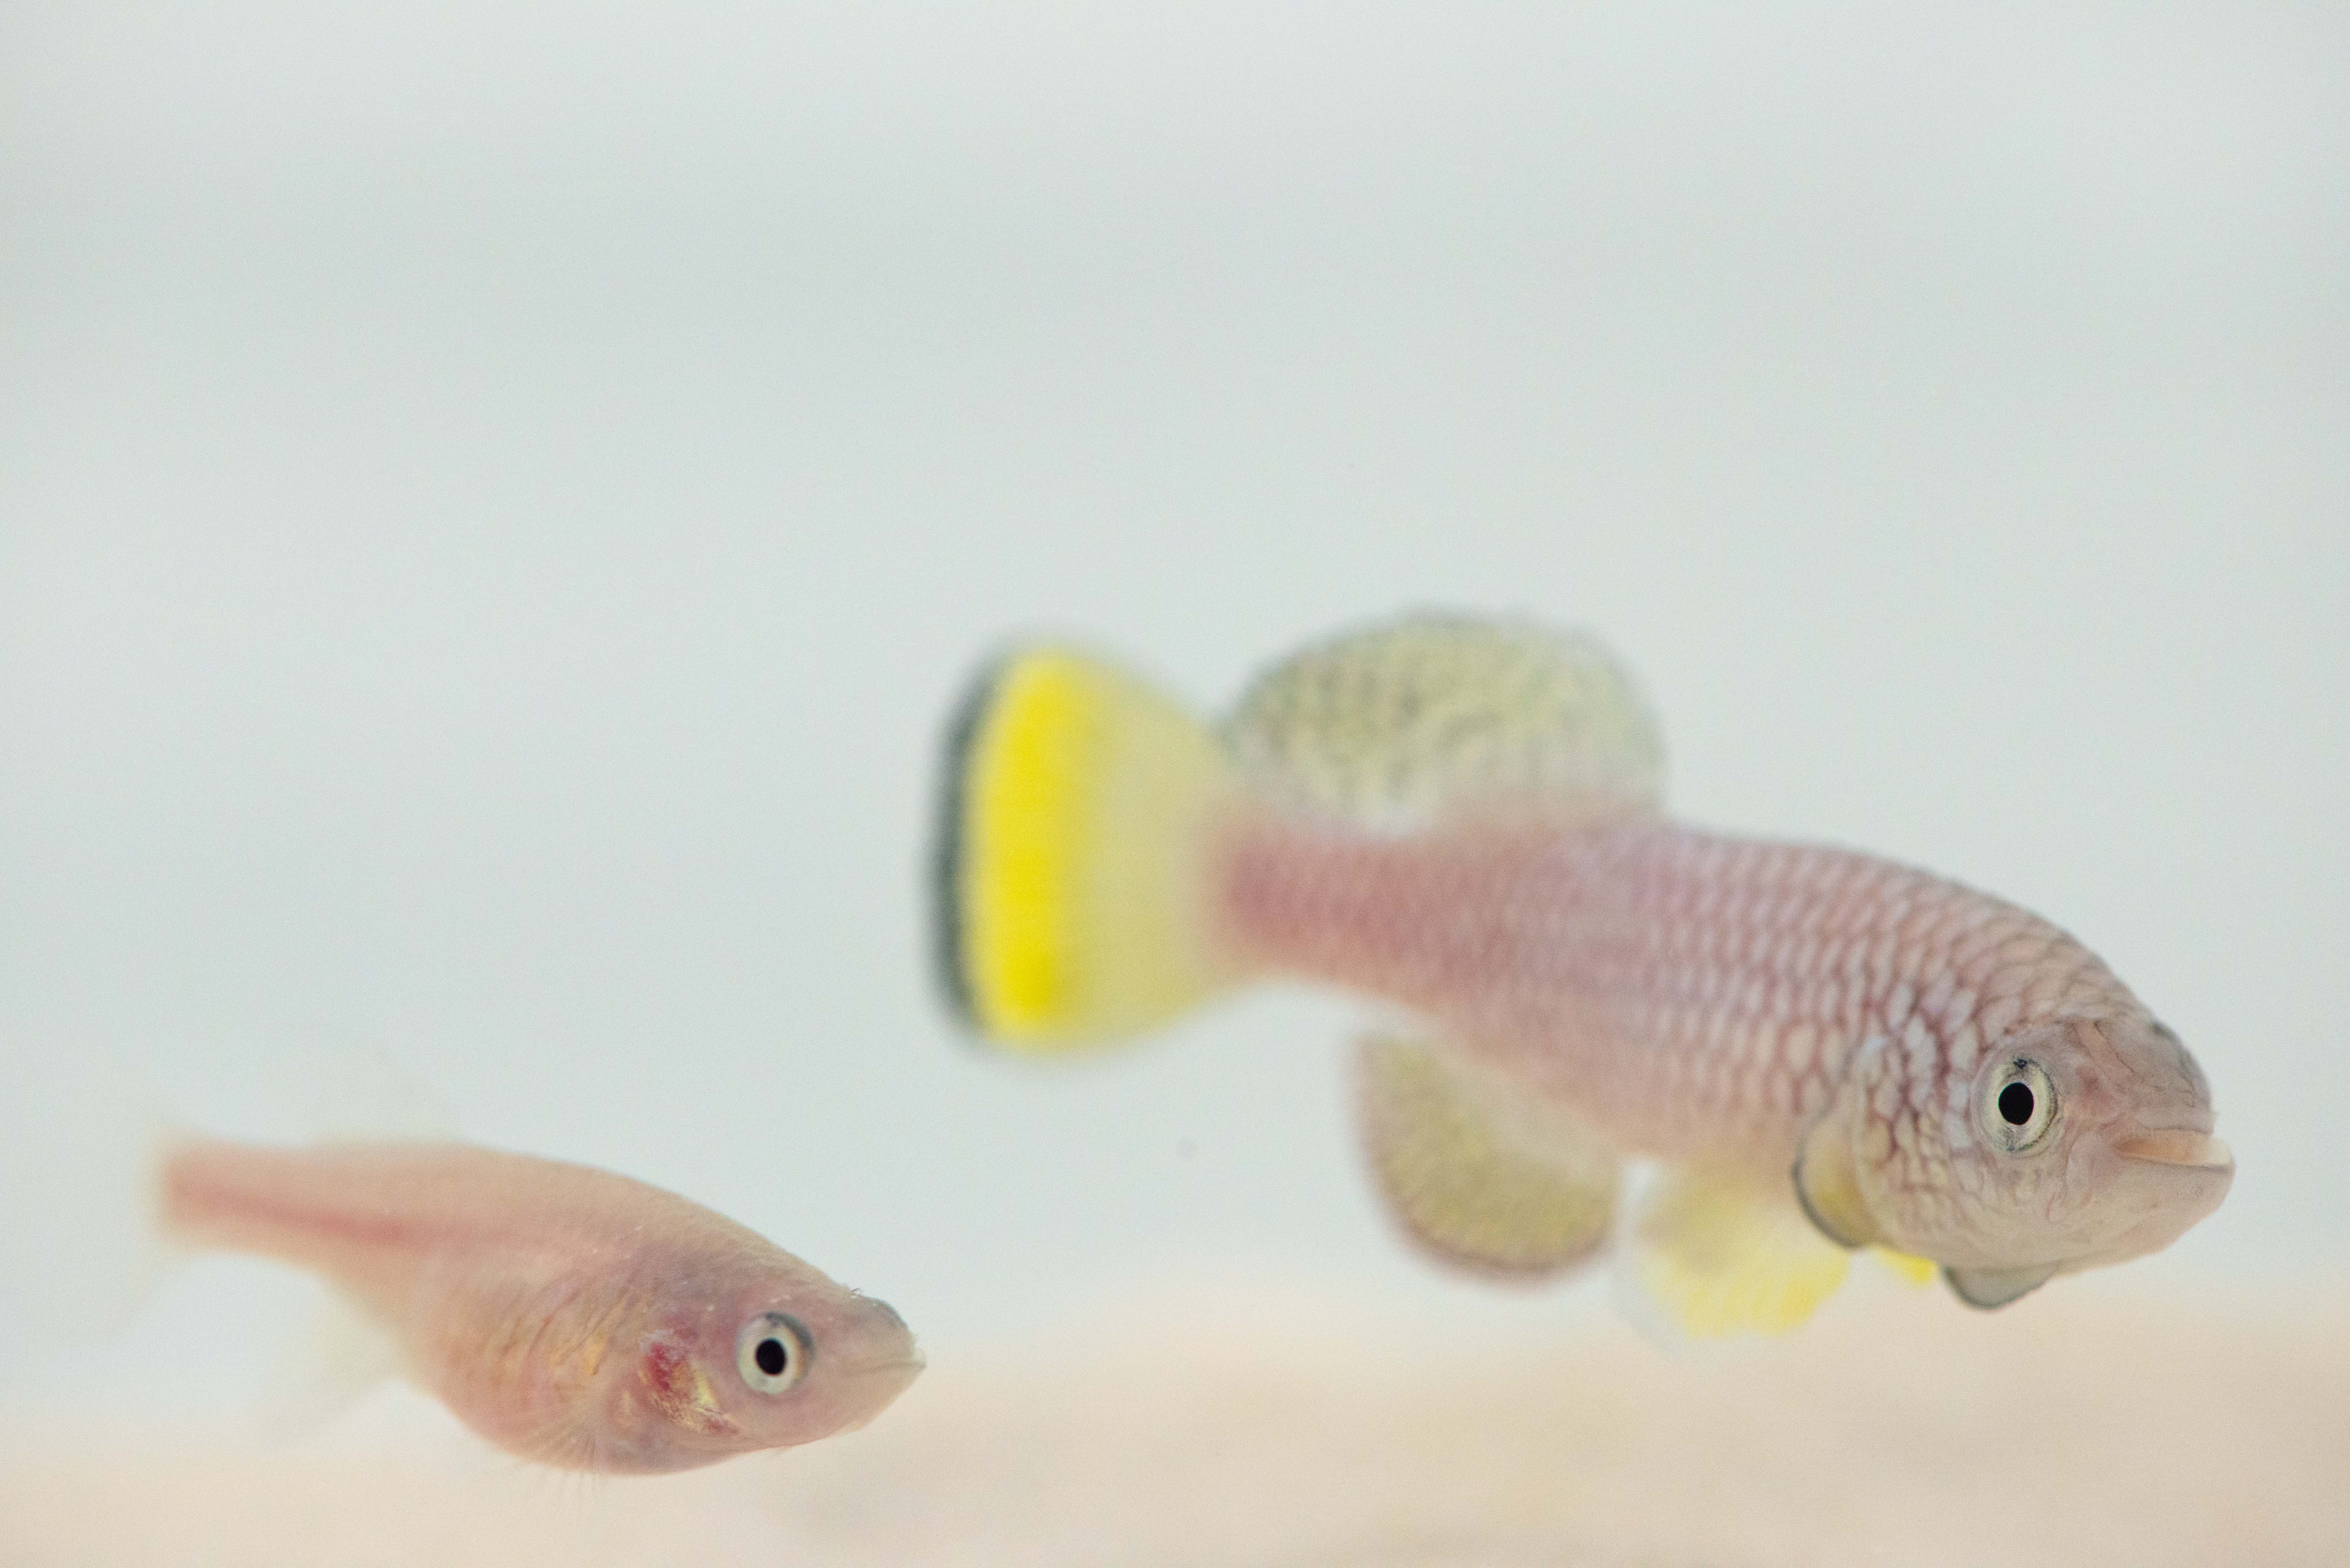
[(773, 1351), (2019, 1106)]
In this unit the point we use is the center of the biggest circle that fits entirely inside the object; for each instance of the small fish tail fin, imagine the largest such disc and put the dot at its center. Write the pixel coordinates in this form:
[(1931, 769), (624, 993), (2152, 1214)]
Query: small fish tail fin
[(1070, 901), (345, 1091), (82, 1148), (95, 1208)]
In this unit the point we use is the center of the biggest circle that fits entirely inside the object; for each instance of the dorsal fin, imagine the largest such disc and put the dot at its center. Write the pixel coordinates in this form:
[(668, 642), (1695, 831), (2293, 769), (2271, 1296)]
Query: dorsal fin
[(1388, 726)]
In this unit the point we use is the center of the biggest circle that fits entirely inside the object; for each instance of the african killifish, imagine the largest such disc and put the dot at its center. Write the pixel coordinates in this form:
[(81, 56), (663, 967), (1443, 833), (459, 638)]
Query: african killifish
[(1813, 1050), (569, 1316)]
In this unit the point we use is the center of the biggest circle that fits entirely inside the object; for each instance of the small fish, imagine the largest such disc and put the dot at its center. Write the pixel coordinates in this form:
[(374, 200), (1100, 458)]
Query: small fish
[(572, 1316), (1821, 1051), (569, 1316)]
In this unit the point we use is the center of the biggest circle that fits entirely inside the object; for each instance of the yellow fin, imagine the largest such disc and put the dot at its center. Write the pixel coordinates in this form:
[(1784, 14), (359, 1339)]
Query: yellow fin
[(1482, 1179), (1909, 1269), (1069, 897), (1717, 1257)]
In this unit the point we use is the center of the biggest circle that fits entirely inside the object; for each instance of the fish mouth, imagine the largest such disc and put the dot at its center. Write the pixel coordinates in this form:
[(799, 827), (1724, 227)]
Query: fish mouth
[(2180, 1147), (877, 1385)]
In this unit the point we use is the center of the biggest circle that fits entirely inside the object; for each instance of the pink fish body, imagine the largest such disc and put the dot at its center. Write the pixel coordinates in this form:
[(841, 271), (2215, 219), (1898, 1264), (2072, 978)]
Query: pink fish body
[(1821, 1049), (569, 1316)]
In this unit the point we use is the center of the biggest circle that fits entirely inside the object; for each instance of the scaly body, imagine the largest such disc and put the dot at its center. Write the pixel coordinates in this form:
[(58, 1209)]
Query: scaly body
[(1826, 1051), (1697, 995)]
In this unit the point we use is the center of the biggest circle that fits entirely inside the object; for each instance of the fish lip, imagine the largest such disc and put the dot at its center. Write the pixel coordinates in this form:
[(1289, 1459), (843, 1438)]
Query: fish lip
[(900, 1371), (2184, 1148)]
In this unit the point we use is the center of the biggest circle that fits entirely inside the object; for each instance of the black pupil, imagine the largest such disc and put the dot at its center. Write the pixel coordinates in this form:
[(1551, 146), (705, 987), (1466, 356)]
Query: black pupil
[(2014, 1104), (772, 1357)]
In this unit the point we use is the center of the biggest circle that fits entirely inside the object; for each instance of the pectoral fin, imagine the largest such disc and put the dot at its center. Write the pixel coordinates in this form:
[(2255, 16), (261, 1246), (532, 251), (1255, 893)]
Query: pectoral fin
[(1479, 1179), (1717, 1257), (1989, 1288), (1827, 1172)]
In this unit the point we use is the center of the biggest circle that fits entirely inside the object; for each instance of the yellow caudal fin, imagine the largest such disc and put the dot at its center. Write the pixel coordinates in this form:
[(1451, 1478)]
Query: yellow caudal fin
[(1069, 898)]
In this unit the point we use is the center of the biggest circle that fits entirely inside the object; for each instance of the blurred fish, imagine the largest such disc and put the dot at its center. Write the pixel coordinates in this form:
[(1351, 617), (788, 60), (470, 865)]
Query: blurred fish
[(569, 1316), (1822, 1050)]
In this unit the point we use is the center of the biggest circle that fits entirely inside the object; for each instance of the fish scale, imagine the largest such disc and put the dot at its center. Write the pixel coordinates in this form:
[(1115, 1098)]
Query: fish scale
[(1739, 976), (1464, 819)]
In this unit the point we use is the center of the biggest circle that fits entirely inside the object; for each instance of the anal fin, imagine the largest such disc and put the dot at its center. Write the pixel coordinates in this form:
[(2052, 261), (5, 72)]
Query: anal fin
[(1715, 1256), (344, 1353), (1480, 1179)]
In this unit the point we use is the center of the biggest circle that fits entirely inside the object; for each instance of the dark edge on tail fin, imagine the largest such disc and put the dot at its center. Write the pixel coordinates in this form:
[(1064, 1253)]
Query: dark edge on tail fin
[(947, 846)]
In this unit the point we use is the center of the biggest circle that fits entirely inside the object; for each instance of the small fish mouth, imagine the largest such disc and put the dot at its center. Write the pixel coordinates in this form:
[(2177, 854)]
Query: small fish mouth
[(887, 1379), (2179, 1147)]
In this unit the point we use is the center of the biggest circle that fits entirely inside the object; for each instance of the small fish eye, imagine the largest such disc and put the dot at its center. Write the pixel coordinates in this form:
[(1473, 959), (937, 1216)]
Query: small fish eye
[(773, 1351), (2019, 1106)]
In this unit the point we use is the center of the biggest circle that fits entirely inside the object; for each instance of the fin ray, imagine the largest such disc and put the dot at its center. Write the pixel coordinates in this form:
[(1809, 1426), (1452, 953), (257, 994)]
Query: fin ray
[(1068, 900), (1907, 1267), (82, 1245), (1484, 1182), (1717, 1257), (342, 1354), (1390, 724)]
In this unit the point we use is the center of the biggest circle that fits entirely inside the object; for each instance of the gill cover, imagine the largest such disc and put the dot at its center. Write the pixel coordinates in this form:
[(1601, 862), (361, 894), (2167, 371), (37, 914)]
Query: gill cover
[(1831, 1186)]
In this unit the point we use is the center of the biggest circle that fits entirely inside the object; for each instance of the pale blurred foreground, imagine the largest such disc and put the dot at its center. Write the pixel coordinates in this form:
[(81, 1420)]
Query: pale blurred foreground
[(1246, 1427)]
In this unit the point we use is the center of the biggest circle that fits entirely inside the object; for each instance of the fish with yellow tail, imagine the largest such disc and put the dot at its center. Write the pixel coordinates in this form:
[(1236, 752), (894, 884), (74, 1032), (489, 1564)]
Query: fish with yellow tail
[(1820, 1051)]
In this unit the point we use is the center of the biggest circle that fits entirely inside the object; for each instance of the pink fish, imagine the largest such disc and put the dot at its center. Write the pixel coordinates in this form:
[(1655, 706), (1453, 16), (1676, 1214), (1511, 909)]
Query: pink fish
[(568, 1316), (1813, 1050)]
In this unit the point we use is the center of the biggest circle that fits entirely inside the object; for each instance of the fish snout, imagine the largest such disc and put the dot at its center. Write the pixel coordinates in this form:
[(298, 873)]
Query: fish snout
[(885, 1363), (886, 1313), (879, 1348)]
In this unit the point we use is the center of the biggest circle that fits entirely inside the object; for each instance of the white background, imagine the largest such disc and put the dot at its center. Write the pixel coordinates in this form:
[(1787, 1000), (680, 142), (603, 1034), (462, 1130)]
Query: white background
[(497, 503)]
